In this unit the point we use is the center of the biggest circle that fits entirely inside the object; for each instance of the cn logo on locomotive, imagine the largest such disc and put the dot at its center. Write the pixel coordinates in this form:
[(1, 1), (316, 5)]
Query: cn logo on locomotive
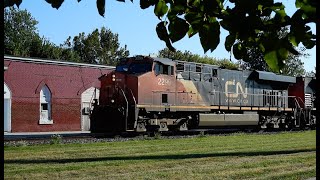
[(238, 87)]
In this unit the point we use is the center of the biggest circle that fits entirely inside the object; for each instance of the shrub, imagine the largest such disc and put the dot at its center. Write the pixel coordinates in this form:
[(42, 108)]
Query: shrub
[(55, 139), (21, 143), (202, 134), (157, 135)]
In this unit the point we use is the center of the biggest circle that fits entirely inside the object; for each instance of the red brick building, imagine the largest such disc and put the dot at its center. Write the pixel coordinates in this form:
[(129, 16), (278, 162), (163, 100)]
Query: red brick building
[(45, 95)]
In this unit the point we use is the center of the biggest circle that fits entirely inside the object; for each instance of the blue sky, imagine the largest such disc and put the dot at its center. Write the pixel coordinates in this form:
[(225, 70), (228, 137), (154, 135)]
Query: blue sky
[(136, 27)]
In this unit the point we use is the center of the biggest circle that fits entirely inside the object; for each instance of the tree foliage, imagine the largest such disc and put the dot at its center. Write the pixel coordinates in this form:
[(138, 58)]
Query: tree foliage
[(293, 65), (98, 47), (311, 73), (20, 32), (21, 38), (188, 56), (244, 21)]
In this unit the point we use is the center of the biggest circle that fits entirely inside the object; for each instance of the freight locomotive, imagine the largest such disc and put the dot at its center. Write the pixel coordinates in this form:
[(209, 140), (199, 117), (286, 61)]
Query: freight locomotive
[(159, 94)]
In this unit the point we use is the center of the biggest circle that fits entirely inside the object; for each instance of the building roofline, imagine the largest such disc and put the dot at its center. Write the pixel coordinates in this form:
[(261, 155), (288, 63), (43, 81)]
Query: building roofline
[(56, 62)]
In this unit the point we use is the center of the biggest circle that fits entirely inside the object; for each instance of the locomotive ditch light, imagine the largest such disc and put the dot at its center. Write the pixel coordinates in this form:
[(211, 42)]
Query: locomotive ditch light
[(113, 77), (112, 100)]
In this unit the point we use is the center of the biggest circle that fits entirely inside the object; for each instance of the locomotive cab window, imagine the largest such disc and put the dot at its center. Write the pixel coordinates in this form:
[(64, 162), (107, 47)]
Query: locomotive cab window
[(180, 67), (206, 73), (132, 66), (163, 69), (186, 67), (192, 67), (198, 68), (214, 73), (139, 68)]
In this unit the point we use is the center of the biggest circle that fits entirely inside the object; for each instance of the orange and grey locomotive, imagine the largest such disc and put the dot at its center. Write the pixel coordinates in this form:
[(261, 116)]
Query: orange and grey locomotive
[(160, 94)]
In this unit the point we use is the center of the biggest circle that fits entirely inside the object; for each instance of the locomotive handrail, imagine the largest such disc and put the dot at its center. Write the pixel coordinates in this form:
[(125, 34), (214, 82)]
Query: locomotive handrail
[(134, 99), (279, 100), (296, 102), (135, 105), (299, 98), (125, 97)]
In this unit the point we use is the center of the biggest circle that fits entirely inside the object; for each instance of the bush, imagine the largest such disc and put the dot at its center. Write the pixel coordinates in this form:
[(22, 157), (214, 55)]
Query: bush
[(202, 134), (21, 143), (56, 139), (157, 135)]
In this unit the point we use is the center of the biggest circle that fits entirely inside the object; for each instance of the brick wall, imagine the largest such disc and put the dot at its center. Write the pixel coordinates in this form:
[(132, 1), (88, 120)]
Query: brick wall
[(66, 83)]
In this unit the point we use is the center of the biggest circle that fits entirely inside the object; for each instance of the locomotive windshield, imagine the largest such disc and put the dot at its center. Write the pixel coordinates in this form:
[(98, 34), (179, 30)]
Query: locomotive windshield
[(134, 66)]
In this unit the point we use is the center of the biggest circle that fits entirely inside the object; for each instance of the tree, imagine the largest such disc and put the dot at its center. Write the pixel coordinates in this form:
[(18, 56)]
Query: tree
[(206, 17), (20, 32), (21, 36), (311, 73), (68, 53), (188, 56), (293, 64), (98, 47)]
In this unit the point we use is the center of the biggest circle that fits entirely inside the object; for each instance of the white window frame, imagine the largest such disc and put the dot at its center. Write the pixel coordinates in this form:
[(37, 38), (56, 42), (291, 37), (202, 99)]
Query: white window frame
[(45, 98)]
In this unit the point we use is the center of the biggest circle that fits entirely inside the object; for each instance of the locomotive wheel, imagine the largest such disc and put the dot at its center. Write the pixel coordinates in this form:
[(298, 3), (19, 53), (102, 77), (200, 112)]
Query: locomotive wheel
[(183, 127), (141, 127)]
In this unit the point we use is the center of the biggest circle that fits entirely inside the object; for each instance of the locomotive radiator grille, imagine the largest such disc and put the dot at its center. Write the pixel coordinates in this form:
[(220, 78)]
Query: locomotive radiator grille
[(308, 100)]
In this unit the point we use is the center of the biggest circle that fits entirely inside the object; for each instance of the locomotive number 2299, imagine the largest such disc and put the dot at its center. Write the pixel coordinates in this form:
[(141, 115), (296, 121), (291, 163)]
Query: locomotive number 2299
[(163, 81)]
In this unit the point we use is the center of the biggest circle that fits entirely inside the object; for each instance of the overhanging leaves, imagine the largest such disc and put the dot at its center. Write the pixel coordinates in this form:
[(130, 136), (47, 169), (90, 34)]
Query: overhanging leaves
[(210, 36), (245, 19), (147, 3), (191, 32), (8, 3), (178, 28), (230, 39), (101, 7), (195, 20), (275, 59), (238, 51), (282, 54), (55, 3), (161, 8), (272, 60), (163, 34)]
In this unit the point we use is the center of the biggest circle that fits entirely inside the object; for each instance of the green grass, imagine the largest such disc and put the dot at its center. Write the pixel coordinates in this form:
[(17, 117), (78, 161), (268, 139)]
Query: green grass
[(239, 156)]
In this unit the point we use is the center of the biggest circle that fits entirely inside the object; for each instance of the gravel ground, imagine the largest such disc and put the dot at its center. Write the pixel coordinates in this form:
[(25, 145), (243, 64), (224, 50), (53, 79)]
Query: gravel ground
[(68, 140), (58, 139)]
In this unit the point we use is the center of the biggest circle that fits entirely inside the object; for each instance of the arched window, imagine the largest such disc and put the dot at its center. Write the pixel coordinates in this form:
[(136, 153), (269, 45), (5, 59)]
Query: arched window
[(45, 106)]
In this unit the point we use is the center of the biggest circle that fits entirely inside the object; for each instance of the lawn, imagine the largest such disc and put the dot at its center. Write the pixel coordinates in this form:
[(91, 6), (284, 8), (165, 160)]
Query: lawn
[(237, 156)]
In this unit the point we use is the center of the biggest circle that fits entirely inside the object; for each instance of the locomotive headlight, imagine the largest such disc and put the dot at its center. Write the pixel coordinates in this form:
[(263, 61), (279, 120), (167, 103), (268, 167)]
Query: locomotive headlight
[(112, 101), (113, 75), (113, 79)]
